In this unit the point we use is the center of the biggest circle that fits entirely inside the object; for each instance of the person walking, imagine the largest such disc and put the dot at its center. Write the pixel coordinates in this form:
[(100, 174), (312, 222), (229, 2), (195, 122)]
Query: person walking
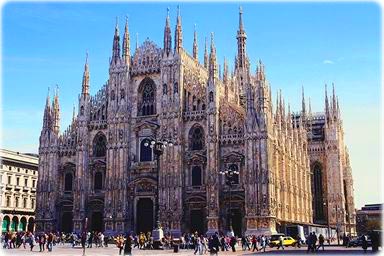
[(364, 243), (321, 242), (50, 241), (314, 241), (263, 241), (32, 241), (254, 243), (128, 245), (281, 240), (197, 245), (232, 243)]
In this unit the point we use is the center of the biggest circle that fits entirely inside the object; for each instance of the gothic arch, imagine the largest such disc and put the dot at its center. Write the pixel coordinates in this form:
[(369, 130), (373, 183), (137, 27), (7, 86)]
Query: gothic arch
[(145, 150), (196, 137), (100, 145), (146, 98), (317, 189)]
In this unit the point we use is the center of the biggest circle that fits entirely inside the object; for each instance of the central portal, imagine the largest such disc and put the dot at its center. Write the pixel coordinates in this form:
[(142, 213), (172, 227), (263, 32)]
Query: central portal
[(97, 221), (197, 221), (144, 215)]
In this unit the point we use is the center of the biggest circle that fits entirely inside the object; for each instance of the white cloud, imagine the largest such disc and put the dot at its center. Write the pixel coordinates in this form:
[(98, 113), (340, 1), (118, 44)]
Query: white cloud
[(328, 62)]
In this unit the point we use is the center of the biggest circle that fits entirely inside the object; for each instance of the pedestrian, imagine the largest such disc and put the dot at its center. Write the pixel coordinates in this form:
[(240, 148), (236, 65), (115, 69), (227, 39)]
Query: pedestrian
[(364, 243), (128, 245), (50, 242), (321, 242), (254, 244), (197, 245), (281, 240), (212, 249), (264, 242), (233, 243), (309, 242), (42, 242), (314, 241), (32, 241)]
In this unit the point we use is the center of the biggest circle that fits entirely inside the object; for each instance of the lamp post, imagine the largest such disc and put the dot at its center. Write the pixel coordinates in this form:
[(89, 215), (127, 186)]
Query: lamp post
[(158, 147), (229, 174)]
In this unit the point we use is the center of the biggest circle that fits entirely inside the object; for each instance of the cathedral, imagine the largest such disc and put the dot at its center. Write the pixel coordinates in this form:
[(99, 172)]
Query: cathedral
[(292, 168)]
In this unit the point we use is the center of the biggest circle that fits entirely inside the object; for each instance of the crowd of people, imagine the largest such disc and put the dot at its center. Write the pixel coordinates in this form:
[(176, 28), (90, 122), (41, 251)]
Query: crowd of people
[(199, 243)]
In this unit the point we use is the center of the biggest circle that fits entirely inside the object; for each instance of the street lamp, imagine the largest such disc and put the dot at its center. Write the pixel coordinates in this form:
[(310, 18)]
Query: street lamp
[(329, 228), (230, 180), (158, 147)]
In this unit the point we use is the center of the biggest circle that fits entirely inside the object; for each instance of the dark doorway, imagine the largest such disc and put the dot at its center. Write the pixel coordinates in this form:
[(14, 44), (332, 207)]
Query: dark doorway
[(97, 221), (197, 221), (144, 215), (237, 221), (31, 224), (66, 222)]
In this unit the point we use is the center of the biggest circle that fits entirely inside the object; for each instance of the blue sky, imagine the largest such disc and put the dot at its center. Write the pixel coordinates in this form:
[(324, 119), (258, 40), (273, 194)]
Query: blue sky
[(301, 44)]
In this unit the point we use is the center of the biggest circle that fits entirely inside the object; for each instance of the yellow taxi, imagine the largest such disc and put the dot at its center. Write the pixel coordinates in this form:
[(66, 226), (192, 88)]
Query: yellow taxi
[(287, 241)]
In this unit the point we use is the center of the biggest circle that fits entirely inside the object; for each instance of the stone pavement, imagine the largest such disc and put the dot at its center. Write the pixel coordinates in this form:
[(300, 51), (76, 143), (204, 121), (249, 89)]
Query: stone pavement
[(67, 250)]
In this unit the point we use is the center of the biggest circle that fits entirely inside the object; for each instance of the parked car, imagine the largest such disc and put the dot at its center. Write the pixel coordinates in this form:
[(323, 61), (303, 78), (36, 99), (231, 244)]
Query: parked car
[(358, 242), (287, 241)]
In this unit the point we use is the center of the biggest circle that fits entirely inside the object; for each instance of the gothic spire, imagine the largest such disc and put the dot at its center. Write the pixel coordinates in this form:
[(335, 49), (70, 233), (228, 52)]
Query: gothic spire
[(334, 104), (47, 112), (195, 47), (303, 108), (225, 71), (178, 32), (212, 59), (126, 44), (326, 103), (56, 112), (167, 35), (73, 114), (116, 44), (85, 84), (241, 42), (206, 54)]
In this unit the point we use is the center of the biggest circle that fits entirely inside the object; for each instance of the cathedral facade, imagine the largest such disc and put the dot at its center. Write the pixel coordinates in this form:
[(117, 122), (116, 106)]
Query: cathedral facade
[(293, 166)]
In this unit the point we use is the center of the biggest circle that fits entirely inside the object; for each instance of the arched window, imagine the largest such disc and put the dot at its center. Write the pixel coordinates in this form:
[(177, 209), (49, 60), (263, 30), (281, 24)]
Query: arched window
[(235, 177), (99, 145), (98, 181), (68, 181), (146, 103), (176, 88), (145, 151), (196, 138), (318, 192), (196, 176), (164, 89)]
